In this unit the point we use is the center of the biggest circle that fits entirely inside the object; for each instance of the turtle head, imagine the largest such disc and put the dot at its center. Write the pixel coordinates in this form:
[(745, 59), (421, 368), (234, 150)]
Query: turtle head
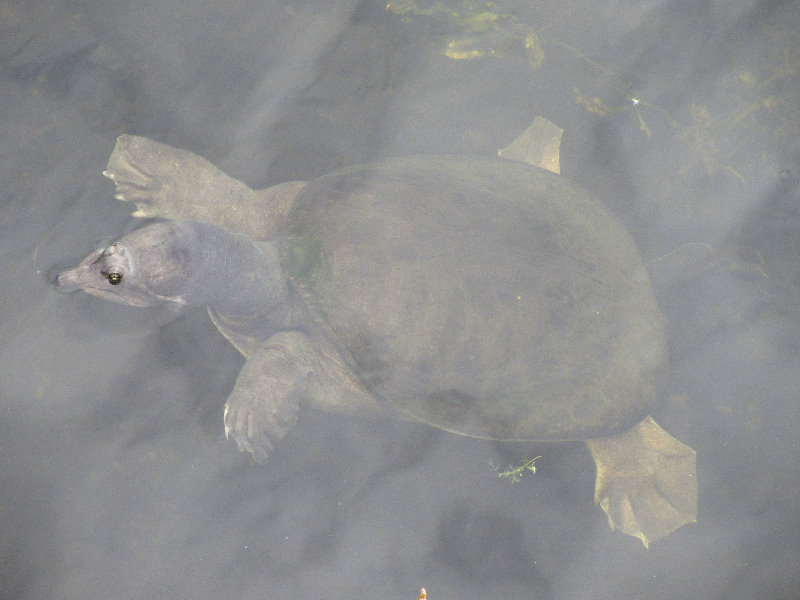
[(170, 263)]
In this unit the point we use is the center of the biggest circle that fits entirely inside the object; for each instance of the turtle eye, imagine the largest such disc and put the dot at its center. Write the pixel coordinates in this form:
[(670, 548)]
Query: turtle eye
[(114, 276)]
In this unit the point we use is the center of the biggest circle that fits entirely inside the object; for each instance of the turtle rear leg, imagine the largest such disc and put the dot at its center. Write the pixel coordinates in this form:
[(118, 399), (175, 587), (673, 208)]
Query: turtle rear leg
[(646, 481), (168, 182)]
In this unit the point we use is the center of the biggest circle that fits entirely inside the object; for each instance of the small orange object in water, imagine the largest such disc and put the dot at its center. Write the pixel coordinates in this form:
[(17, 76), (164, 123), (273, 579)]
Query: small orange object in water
[(422, 594)]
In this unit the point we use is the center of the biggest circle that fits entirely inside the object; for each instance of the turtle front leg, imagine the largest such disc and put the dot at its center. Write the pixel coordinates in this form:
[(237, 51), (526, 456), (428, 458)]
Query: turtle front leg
[(172, 183), (646, 481), (265, 401), (287, 370)]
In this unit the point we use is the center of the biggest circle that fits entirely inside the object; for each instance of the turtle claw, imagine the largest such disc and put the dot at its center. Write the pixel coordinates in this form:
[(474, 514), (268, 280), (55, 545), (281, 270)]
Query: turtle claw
[(646, 481)]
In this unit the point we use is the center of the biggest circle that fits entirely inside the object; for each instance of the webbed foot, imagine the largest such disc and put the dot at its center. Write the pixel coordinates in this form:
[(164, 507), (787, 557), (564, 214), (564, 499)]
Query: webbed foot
[(646, 481), (265, 401), (539, 145), (172, 183)]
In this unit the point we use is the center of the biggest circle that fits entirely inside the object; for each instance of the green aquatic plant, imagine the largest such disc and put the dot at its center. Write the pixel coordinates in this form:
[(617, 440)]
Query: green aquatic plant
[(516, 473), (471, 29)]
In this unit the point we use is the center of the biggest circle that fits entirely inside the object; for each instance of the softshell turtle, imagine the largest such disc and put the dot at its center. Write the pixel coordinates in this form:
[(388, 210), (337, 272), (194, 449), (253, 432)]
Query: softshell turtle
[(484, 296)]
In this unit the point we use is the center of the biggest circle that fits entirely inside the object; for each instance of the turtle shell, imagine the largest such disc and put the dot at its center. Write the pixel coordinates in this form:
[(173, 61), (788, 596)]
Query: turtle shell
[(482, 296)]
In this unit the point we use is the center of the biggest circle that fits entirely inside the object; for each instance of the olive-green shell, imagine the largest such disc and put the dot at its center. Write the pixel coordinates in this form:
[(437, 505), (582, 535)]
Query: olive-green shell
[(483, 296)]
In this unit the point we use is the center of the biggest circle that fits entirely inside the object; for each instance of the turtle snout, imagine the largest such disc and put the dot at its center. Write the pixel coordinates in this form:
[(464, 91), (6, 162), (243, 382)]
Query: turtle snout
[(66, 281), (76, 277)]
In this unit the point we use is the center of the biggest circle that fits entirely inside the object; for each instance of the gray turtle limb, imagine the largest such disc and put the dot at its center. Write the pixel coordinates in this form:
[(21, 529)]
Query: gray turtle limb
[(646, 481), (172, 183), (288, 370), (264, 402), (539, 145)]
